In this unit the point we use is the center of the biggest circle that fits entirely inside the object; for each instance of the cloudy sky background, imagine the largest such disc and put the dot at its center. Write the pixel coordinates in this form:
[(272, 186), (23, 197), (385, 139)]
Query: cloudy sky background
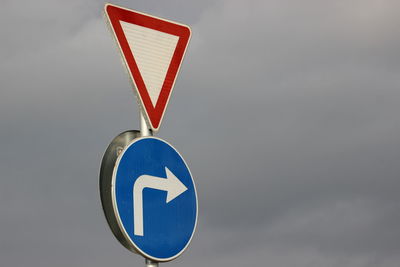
[(287, 113)]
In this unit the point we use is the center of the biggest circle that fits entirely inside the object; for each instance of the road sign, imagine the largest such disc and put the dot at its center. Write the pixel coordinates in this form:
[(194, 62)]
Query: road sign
[(154, 199), (152, 49)]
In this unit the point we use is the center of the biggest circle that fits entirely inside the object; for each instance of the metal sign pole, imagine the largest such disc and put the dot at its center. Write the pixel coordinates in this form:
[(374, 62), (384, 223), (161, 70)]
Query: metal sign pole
[(144, 129), (150, 263)]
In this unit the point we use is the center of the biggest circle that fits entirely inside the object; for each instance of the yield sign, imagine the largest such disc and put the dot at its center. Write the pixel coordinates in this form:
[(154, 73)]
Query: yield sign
[(153, 50)]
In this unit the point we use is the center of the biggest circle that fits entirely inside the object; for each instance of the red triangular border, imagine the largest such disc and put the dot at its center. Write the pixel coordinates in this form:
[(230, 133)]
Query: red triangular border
[(115, 14)]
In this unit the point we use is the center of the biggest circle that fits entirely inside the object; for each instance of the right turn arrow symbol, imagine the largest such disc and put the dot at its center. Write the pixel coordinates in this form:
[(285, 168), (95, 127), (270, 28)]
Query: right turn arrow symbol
[(171, 184)]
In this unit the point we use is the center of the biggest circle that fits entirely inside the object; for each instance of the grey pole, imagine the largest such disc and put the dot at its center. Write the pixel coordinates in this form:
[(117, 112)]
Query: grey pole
[(150, 263), (144, 129)]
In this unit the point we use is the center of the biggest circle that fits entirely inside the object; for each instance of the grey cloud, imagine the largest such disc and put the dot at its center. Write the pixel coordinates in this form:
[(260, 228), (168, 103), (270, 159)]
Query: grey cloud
[(286, 113)]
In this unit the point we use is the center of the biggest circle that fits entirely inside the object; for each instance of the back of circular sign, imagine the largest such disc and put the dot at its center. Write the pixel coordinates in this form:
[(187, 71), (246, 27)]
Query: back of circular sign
[(106, 171)]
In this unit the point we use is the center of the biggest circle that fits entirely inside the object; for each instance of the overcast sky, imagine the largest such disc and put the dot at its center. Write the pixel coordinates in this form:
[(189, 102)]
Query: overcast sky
[(287, 113)]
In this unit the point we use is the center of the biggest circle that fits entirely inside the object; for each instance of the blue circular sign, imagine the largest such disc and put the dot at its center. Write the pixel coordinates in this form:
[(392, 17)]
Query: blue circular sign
[(154, 198)]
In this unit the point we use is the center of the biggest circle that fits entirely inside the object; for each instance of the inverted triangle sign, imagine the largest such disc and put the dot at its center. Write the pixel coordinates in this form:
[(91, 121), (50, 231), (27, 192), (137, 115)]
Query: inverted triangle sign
[(153, 50)]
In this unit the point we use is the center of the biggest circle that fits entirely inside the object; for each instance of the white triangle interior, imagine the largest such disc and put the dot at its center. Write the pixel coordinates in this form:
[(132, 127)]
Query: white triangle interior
[(152, 51)]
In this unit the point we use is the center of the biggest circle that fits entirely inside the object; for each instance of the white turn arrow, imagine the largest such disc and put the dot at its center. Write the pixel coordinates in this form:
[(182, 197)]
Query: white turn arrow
[(171, 184)]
